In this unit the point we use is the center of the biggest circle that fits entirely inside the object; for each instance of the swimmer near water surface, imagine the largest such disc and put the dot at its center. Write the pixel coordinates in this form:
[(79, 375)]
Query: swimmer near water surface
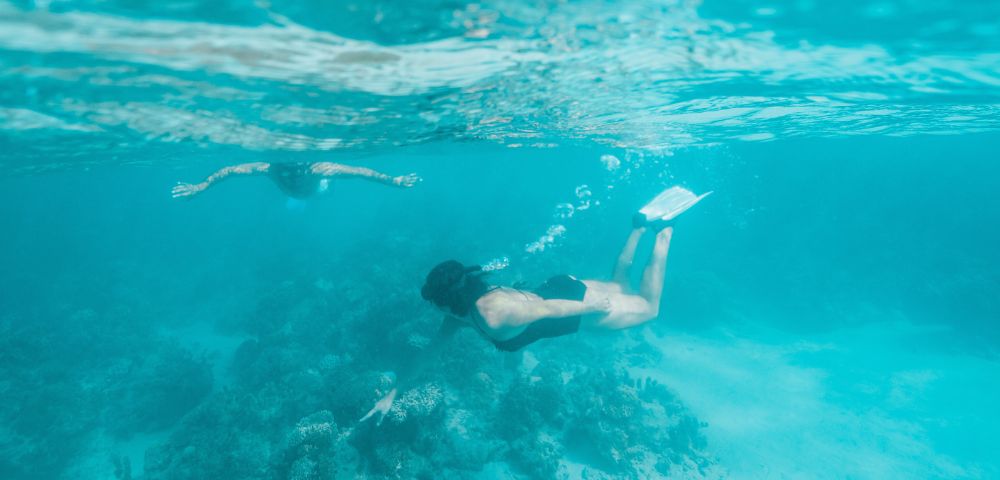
[(296, 179)]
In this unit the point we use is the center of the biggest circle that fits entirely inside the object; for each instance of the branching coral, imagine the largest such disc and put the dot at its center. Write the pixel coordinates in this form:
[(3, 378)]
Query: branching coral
[(418, 402), (309, 452)]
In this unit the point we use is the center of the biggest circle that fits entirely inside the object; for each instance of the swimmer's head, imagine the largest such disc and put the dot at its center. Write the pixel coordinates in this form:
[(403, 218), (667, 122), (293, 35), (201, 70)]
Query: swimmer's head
[(289, 169), (454, 287)]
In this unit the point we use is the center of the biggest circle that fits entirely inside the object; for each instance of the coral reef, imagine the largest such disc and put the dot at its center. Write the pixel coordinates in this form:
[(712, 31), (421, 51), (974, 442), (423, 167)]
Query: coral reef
[(310, 450), (68, 373), (153, 393), (316, 360), (419, 402)]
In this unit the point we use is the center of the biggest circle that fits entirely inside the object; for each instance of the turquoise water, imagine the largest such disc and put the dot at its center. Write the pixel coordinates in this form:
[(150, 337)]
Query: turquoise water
[(831, 311)]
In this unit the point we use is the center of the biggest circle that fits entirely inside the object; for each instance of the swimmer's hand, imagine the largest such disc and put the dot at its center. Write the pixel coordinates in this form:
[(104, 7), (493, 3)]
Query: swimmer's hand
[(188, 189), (381, 407), (600, 305), (406, 181)]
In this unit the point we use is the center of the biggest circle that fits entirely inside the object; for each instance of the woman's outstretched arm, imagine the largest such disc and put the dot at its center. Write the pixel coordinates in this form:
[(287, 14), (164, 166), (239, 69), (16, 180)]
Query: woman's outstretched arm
[(506, 313), (192, 189), (530, 312), (330, 169), (414, 368)]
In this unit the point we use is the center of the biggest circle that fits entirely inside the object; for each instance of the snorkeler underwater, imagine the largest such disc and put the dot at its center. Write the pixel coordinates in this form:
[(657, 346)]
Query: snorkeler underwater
[(295, 179), (632, 239)]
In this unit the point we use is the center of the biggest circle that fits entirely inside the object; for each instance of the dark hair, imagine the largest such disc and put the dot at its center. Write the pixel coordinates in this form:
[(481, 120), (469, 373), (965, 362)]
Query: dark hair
[(289, 169), (454, 286)]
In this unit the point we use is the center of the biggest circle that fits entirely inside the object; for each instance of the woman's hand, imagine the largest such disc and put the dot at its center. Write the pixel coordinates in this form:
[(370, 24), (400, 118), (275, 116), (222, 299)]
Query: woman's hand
[(188, 189), (381, 407), (406, 181), (600, 305)]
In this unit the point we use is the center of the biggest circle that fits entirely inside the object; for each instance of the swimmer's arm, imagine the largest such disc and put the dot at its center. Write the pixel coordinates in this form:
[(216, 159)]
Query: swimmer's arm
[(414, 368), (527, 313), (448, 327), (188, 189), (330, 169)]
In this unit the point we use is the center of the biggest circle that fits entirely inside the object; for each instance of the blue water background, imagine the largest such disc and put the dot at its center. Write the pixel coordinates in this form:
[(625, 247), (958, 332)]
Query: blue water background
[(829, 312)]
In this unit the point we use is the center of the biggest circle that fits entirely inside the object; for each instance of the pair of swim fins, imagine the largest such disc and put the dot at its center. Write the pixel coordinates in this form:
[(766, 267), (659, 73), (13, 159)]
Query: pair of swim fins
[(667, 206)]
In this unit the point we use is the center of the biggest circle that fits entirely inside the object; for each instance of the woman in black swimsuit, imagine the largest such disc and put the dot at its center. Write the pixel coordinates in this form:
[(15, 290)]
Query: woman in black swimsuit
[(512, 319)]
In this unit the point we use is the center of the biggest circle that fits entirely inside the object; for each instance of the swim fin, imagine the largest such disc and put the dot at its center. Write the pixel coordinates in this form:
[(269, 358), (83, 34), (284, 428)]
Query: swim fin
[(670, 203)]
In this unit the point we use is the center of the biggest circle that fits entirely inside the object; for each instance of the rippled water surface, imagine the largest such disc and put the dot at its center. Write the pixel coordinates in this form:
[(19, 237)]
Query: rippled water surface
[(831, 311), (654, 76)]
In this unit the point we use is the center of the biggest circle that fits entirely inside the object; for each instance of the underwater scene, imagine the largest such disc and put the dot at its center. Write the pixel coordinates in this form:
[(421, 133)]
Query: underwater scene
[(429, 239)]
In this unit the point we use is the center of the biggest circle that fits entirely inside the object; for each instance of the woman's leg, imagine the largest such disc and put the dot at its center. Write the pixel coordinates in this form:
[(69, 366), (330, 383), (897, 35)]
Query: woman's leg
[(620, 275), (652, 277), (631, 310)]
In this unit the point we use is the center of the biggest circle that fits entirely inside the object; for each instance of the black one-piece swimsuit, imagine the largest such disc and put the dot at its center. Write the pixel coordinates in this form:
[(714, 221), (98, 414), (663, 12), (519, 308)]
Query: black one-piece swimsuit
[(559, 287)]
